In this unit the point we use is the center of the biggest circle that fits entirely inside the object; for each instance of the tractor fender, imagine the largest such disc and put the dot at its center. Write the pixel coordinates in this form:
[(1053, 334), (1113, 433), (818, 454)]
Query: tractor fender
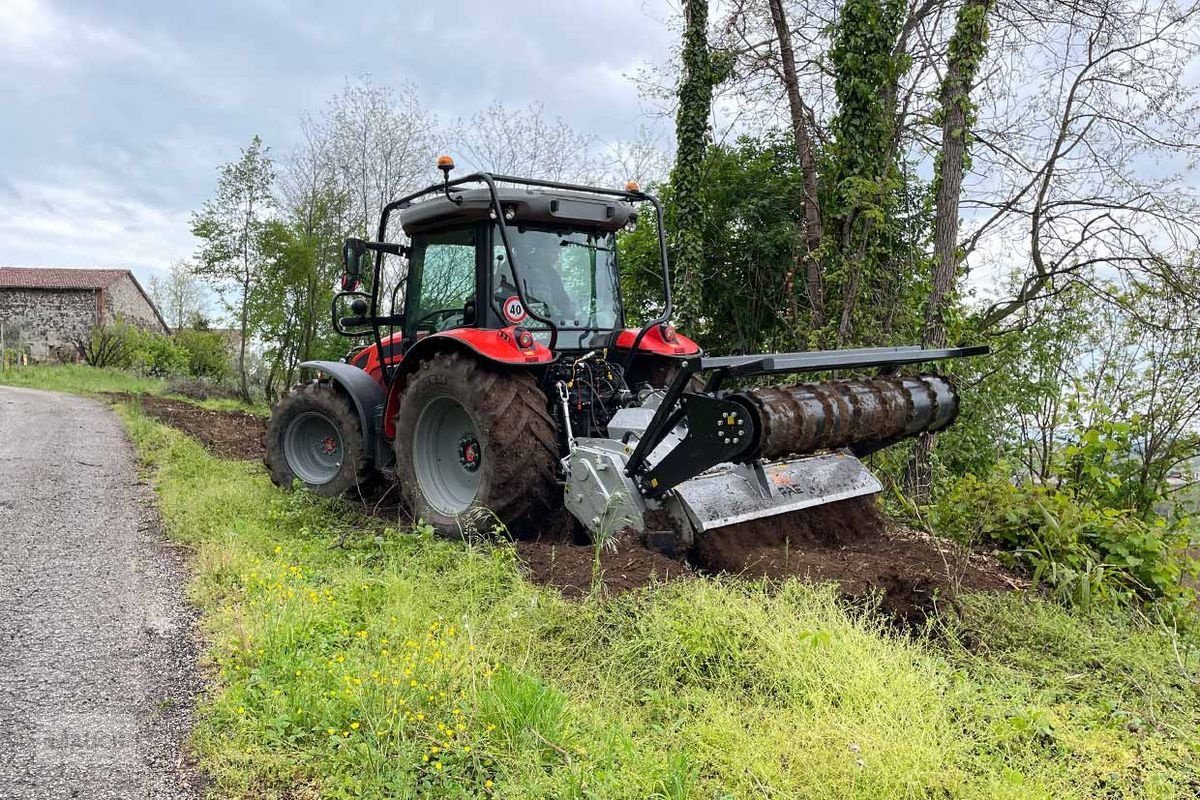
[(495, 346), (366, 394)]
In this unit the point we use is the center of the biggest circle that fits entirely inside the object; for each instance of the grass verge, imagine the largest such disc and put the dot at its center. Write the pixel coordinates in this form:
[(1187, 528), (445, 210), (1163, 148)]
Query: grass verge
[(82, 379), (352, 659)]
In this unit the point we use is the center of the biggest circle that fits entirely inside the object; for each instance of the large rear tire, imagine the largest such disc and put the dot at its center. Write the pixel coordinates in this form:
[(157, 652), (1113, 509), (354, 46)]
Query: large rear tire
[(315, 436), (473, 441)]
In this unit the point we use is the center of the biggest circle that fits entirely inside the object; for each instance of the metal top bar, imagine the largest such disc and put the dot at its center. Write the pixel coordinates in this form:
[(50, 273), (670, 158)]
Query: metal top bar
[(820, 360)]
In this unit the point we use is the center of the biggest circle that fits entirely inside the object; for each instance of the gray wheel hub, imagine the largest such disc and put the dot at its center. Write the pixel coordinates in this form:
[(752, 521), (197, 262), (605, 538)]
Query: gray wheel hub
[(312, 445), (446, 456)]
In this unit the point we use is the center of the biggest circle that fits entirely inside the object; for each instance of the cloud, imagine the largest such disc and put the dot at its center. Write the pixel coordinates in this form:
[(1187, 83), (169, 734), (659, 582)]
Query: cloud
[(87, 222), (118, 114), (32, 33)]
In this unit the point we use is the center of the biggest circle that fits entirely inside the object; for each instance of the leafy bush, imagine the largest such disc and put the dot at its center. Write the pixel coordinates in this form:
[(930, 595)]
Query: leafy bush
[(156, 355), (206, 354), (200, 354), (1083, 550)]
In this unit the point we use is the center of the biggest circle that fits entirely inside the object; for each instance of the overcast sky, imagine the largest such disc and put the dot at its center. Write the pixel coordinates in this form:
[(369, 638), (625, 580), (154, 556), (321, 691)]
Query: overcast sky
[(116, 114)]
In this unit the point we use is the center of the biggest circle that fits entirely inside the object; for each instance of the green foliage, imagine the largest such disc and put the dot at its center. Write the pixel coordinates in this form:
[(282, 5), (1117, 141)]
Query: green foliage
[(127, 346), (155, 354), (747, 233), (1084, 550), (290, 306), (701, 72), (875, 208), (207, 354)]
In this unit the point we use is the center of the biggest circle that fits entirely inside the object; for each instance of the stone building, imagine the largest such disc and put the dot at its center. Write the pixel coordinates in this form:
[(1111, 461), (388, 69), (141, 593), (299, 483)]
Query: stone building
[(45, 311)]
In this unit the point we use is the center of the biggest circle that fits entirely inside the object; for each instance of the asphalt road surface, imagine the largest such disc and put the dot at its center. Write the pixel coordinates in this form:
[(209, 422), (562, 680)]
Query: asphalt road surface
[(97, 650)]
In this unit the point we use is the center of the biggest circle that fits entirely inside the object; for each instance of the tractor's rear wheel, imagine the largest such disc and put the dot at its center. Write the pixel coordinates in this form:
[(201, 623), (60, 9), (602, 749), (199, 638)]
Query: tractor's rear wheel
[(472, 442), (315, 436)]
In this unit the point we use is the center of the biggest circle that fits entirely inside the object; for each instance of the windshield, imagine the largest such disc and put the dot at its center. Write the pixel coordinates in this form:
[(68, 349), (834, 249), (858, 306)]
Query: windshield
[(570, 278)]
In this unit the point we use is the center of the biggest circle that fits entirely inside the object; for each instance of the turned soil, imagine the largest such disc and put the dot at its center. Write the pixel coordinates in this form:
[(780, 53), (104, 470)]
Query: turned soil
[(229, 434), (849, 542)]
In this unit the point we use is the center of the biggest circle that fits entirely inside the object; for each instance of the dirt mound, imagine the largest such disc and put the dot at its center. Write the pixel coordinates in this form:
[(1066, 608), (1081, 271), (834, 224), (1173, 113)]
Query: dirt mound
[(570, 567), (850, 543), (229, 434)]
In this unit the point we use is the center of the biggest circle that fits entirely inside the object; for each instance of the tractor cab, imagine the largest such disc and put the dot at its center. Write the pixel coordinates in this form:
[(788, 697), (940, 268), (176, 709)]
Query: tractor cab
[(555, 276), (524, 273)]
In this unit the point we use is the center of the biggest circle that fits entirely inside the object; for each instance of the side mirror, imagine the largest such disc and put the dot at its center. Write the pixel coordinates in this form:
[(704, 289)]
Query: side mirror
[(354, 253)]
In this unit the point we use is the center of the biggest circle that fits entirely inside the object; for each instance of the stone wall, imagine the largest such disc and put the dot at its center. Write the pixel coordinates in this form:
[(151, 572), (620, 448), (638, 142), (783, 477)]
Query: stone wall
[(48, 320), (124, 300)]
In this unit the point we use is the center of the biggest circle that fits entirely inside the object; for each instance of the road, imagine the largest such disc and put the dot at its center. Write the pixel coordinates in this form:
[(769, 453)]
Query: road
[(98, 669)]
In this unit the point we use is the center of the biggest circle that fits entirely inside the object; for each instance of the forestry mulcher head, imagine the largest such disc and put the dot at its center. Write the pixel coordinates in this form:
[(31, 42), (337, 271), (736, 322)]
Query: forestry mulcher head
[(503, 379)]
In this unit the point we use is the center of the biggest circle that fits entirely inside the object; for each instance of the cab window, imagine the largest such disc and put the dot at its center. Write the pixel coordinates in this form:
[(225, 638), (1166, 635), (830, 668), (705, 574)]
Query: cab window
[(443, 288)]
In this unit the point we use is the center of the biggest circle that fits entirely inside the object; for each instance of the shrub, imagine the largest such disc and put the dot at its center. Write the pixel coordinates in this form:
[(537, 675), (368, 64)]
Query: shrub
[(1083, 550), (105, 346), (206, 354), (156, 355)]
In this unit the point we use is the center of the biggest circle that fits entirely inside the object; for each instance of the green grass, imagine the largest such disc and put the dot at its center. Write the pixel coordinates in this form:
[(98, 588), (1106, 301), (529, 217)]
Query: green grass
[(79, 379), (82, 379), (400, 665)]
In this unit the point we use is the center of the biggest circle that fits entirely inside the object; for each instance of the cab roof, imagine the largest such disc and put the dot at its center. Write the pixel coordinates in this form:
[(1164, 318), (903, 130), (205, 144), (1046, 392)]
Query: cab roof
[(529, 206)]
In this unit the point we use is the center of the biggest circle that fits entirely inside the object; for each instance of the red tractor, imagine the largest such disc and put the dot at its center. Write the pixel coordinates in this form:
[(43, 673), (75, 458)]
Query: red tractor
[(502, 380)]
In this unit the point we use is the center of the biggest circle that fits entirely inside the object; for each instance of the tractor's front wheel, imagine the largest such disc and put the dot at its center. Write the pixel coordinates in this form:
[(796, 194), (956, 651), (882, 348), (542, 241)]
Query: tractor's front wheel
[(315, 436), (470, 438)]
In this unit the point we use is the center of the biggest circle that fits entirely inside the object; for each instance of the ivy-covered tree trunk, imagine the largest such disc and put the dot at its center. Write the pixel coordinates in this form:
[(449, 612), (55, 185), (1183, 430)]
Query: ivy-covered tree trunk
[(813, 229), (863, 174), (691, 134), (968, 45)]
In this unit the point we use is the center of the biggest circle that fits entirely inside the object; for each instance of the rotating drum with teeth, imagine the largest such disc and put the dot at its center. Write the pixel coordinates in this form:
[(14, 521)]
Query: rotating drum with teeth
[(863, 415)]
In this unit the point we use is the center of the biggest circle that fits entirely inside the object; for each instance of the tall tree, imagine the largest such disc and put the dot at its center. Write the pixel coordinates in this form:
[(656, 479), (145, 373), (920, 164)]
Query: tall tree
[(864, 175), (179, 297), (1082, 148), (229, 227), (526, 143), (799, 113), (700, 73), (966, 52)]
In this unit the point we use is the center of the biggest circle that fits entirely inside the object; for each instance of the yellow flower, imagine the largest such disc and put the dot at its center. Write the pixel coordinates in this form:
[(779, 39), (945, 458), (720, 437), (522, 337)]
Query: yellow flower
[(487, 784), (437, 765), (331, 731), (241, 709), (354, 726), (466, 748)]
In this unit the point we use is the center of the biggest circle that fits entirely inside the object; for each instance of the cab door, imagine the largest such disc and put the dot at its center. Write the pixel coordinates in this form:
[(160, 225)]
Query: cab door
[(443, 289)]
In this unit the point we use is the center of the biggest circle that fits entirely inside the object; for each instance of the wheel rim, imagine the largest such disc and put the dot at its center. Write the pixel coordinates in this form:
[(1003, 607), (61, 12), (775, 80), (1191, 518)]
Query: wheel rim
[(447, 456), (313, 447)]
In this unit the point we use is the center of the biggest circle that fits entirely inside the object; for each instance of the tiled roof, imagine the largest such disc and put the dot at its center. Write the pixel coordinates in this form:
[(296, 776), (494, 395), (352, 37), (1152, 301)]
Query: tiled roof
[(55, 278)]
